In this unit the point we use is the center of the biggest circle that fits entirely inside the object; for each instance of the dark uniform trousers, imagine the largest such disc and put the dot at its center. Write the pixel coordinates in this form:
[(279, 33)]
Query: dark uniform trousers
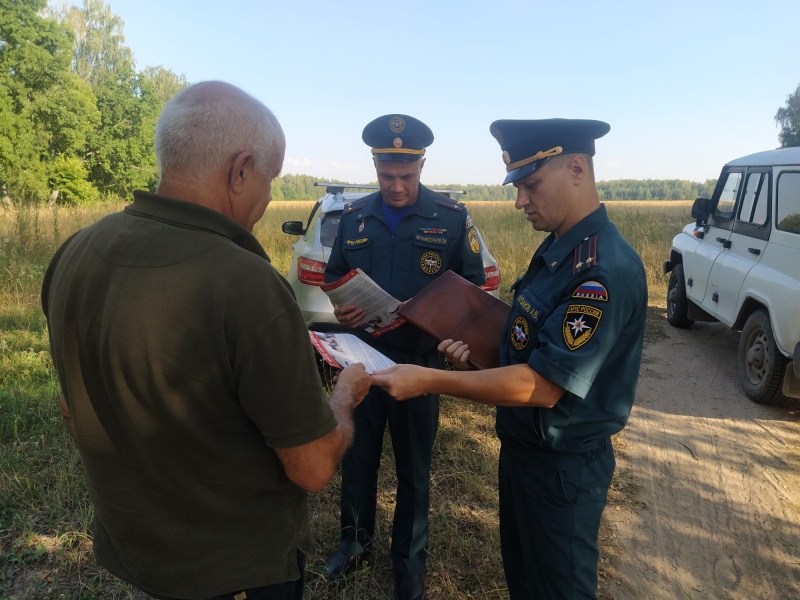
[(412, 424), (550, 509)]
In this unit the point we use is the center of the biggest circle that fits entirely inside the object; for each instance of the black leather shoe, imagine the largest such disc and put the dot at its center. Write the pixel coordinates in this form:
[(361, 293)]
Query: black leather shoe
[(409, 587), (345, 559)]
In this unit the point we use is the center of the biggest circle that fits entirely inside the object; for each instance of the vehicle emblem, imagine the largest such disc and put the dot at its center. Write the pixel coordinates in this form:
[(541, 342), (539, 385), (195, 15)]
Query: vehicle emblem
[(579, 324), (520, 333), (430, 263), (397, 124)]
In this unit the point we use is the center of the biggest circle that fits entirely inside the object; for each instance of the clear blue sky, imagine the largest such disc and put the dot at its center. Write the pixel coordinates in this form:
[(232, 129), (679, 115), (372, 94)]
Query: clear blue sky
[(685, 85)]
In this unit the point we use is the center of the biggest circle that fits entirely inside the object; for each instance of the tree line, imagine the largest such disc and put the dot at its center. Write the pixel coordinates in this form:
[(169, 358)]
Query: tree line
[(77, 118), (301, 187)]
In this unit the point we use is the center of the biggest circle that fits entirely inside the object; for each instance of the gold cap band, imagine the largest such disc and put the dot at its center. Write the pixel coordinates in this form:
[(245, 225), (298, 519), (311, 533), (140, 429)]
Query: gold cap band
[(397, 151), (538, 156)]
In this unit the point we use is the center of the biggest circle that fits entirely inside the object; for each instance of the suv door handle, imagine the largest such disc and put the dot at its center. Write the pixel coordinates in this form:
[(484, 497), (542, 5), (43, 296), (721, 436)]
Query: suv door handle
[(754, 251), (725, 243)]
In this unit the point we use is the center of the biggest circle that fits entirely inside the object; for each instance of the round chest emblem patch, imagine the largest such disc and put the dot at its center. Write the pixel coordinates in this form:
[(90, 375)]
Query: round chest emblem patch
[(519, 333), (430, 262)]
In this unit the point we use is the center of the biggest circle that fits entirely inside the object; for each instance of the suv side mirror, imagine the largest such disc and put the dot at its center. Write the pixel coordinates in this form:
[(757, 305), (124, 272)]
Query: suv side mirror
[(293, 228), (701, 210)]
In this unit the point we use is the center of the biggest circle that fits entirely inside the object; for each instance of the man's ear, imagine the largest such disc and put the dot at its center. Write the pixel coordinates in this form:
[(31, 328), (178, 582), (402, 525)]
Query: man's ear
[(240, 170), (578, 168)]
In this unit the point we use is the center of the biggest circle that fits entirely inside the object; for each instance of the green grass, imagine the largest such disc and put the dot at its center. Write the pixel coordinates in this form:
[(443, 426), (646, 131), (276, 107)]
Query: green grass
[(45, 543)]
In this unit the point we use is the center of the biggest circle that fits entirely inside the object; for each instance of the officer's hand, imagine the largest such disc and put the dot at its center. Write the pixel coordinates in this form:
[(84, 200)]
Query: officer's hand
[(401, 381), (457, 353), (349, 314), (356, 379)]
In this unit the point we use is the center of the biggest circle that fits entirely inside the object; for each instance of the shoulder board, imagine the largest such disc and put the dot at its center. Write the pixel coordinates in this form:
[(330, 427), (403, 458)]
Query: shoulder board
[(584, 257), (356, 204), (448, 202)]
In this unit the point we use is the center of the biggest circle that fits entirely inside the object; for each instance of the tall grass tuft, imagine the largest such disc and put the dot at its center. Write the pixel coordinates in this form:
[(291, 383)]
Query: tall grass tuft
[(45, 516)]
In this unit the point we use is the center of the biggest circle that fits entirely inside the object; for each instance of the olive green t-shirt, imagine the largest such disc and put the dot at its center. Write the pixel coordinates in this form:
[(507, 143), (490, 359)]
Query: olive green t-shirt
[(185, 360)]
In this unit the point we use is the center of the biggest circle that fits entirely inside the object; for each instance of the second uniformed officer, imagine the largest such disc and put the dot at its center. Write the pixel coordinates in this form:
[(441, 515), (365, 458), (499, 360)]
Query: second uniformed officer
[(403, 237), (570, 355)]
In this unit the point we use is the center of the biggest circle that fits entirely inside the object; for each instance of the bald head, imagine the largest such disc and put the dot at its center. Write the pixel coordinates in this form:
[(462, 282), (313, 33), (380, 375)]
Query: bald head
[(207, 124)]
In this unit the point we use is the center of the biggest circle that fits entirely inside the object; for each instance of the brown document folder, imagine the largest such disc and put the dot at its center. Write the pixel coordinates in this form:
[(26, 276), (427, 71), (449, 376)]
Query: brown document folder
[(453, 308)]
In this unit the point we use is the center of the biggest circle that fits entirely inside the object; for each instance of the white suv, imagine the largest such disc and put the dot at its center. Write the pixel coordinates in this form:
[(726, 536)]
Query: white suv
[(310, 253), (739, 264)]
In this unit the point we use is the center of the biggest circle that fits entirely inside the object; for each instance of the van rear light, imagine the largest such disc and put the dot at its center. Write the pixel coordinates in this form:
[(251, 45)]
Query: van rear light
[(492, 279), (310, 272)]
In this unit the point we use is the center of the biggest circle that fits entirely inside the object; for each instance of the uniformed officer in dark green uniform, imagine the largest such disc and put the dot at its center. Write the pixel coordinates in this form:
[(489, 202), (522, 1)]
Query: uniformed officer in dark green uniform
[(403, 237), (571, 351)]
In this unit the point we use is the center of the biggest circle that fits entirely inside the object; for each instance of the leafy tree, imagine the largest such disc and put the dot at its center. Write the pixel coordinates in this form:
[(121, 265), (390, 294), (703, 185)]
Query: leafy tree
[(788, 118), (99, 52), (34, 65), (121, 156), (69, 115), (123, 159), (165, 83), (69, 178)]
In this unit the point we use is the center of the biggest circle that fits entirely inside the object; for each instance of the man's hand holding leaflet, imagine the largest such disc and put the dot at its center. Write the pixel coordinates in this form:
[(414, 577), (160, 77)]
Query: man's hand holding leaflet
[(358, 289), (344, 349)]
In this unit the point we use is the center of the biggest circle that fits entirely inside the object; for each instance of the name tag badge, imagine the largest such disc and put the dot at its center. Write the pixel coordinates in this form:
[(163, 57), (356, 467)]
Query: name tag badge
[(355, 243)]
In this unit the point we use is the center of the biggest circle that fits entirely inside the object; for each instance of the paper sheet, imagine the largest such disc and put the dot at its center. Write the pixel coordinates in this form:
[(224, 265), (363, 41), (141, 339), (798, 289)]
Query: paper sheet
[(344, 349)]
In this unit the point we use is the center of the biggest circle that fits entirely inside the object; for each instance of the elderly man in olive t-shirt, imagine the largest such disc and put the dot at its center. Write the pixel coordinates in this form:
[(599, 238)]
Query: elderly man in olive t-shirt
[(189, 381)]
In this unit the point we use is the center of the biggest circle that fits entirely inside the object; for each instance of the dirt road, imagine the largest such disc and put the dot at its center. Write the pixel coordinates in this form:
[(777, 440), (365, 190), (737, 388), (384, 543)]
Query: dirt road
[(712, 508)]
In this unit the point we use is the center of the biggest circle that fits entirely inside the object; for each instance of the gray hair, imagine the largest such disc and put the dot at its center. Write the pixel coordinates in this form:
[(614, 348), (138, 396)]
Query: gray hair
[(207, 124)]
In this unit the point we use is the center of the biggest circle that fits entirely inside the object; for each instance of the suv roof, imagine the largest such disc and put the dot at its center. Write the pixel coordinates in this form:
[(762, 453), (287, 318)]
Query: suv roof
[(339, 188), (768, 158)]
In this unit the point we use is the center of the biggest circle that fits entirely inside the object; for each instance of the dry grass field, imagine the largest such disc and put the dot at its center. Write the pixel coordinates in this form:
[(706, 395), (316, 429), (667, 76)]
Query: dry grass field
[(45, 546)]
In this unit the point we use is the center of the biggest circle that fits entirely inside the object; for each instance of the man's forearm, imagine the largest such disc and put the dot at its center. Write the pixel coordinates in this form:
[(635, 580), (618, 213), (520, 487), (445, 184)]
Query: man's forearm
[(341, 402), (515, 385)]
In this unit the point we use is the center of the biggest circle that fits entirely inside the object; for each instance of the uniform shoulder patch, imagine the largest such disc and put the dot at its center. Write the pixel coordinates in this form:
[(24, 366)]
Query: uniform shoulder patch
[(580, 323), (591, 290), (474, 241)]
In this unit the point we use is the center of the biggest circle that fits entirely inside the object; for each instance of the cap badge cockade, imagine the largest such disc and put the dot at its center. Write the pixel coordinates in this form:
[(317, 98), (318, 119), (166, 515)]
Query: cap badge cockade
[(506, 157), (397, 124), (397, 142), (498, 135)]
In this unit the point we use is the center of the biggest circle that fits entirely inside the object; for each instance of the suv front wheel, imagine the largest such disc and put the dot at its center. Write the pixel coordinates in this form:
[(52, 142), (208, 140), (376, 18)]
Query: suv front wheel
[(677, 301), (760, 363)]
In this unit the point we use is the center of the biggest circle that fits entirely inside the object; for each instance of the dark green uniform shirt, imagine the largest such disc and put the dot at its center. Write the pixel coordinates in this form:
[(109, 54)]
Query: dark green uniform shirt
[(577, 318), (184, 360), (435, 235)]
